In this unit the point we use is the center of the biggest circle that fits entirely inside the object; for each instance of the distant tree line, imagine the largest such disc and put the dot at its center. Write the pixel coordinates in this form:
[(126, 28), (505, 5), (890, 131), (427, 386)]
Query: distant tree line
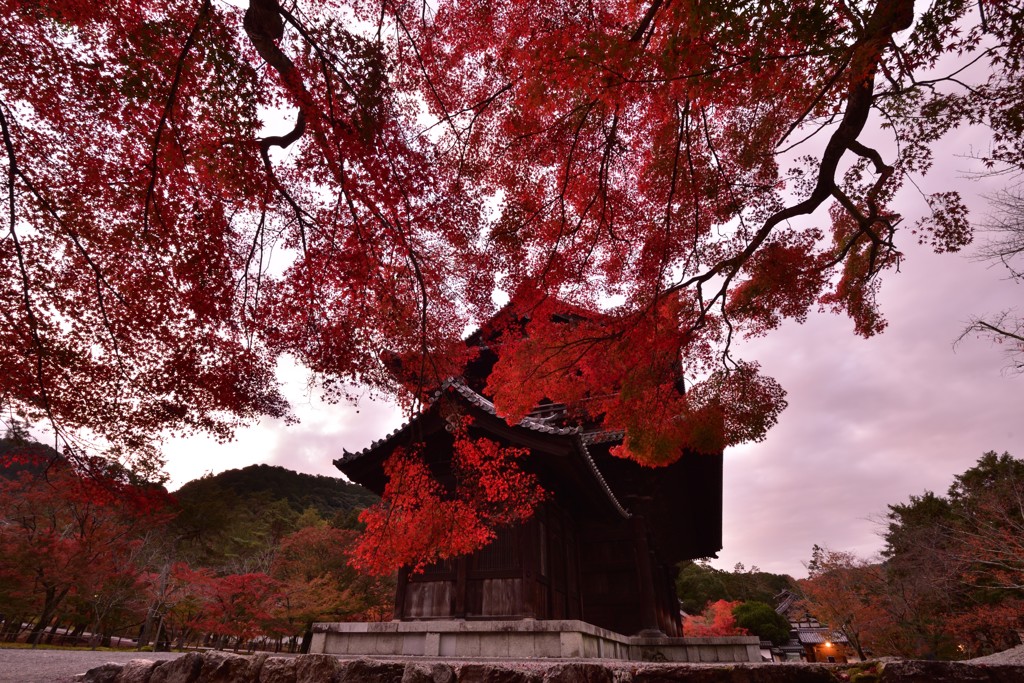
[(950, 582), (718, 602), (244, 559)]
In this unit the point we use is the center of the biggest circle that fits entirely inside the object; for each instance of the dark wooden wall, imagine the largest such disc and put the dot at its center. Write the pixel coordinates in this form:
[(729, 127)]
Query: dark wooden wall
[(528, 571), (611, 591), (552, 567)]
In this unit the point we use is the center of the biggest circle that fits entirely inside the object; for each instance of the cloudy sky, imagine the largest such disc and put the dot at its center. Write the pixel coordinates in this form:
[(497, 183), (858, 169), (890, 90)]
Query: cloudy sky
[(869, 422)]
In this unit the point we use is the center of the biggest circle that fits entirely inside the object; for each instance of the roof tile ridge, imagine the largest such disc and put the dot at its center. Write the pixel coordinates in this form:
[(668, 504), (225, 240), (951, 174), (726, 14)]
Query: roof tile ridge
[(600, 477), (350, 456), (488, 406)]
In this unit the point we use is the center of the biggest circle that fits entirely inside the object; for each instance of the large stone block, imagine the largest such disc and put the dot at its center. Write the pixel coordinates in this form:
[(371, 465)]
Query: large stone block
[(772, 673), (571, 644), (579, 673), (137, 671), (486, 673), (494, 645), (467, 645), (316, 668), (277, 670), (546, 645), (413, 643), (421, 673), (104, 673), (221, 667), (369, 671), (184, 669)]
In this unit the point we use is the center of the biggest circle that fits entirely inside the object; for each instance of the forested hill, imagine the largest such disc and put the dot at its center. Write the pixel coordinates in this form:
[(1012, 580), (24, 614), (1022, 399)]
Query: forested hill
[(327, 495), (20, 454)]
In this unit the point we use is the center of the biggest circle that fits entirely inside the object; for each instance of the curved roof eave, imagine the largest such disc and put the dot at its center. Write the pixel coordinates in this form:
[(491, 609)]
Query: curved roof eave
[(473, 398)]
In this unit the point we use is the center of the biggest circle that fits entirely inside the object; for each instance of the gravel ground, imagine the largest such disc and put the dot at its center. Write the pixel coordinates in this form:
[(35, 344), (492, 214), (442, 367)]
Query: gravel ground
[(1015, 655), (61, 666)]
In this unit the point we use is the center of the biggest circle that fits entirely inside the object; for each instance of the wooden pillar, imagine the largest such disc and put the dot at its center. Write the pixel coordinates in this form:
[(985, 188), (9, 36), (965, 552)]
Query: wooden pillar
[(671, 575), (645, 575), (461, 569), (528, 554), (402, 583)]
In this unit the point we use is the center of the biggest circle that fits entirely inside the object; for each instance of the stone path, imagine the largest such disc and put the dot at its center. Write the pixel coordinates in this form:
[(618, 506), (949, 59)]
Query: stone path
[(1015, 655), (61, 666)]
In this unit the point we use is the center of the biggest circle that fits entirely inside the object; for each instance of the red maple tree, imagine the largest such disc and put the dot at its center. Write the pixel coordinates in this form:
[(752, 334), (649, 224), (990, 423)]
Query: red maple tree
[(717, 619), (68, 531), (240, 606), (319, 585), (401, 160)]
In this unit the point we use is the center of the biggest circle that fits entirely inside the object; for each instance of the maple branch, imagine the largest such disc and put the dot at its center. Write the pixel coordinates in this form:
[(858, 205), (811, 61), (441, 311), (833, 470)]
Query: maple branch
[(478, 109), (426, 75), (683, 131), (283, 141), (166, 115), (421, 283), (998, 331), (325, 58), (33, 322), (99, 279), (244, 277), (646, 21), (264, 27), (840, 68), (887, 19), (736, 204), (566, 177)]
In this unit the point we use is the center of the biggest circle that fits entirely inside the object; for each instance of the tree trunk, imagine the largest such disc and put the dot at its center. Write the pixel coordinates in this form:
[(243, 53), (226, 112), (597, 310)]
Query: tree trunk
[(157, 644), (50, 604), (53, 631), (147, 628), (307, 639), (13, 627)]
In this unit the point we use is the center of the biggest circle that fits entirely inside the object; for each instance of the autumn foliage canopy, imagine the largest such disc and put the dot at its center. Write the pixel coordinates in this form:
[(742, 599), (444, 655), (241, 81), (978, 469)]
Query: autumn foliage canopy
[(192, 189)]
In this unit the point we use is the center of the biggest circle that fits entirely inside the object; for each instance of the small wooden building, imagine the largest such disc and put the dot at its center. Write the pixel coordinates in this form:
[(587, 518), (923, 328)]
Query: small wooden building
[(810, 640), (603, 548)]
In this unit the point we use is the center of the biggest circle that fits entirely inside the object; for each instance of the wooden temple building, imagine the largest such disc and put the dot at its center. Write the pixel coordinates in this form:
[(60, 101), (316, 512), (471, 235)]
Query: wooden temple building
[(602, 549)]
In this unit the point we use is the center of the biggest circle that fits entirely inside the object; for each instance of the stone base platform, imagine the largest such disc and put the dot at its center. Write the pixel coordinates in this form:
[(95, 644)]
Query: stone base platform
[(521, 639)]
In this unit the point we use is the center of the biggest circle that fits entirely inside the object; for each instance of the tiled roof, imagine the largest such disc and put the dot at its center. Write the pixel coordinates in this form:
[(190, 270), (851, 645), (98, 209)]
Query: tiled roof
[(472, 397), (591, 438), (534, 424), (349, 456), (538, 425), (787, 599), (819, 636)]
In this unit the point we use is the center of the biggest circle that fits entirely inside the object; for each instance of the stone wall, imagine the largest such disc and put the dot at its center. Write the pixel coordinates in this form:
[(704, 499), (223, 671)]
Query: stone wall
[(218, 667)]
